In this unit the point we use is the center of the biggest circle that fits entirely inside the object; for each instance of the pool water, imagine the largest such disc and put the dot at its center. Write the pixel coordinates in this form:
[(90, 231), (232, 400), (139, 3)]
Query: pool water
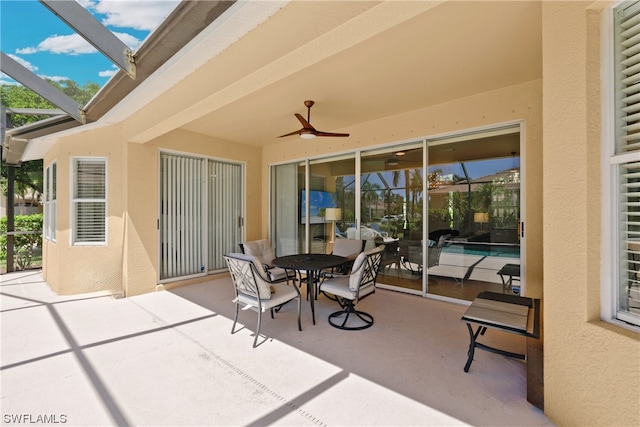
[(484, 250)]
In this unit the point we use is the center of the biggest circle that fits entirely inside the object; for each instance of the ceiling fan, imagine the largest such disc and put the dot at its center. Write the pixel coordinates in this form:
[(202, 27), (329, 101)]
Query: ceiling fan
[(396, 158), (308, 131)]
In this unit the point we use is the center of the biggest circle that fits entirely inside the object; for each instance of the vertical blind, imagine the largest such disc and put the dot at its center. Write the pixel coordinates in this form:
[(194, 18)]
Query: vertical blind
[(89, 201), (225, 203), (200, 214), (626, 160), (181, 219)]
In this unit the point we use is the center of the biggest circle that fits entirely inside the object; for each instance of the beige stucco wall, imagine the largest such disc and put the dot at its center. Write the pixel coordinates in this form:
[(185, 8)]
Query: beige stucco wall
[(72, 269), (141, 258), (129, 262), (510, 104), (592, 368)]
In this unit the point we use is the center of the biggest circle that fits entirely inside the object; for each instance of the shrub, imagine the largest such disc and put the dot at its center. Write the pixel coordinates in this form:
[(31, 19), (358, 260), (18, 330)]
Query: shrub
[(24, 244)]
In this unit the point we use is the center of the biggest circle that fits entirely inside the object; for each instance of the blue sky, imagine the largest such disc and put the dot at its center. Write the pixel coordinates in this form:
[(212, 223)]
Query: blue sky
[(43, 43)]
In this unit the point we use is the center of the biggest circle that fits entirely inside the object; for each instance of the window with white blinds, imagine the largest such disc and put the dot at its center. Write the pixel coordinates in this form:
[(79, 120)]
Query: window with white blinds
[(89, 203), (50, 196), (625, 164)]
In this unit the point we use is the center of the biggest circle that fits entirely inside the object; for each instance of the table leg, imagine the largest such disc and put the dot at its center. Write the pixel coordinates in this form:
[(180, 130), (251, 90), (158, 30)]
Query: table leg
[(472, 346), (474, 343), (504, 284), (311, 289)]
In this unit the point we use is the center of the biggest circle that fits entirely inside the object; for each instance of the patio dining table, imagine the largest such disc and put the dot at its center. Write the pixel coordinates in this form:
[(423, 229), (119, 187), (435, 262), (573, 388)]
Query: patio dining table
[(312, 264)]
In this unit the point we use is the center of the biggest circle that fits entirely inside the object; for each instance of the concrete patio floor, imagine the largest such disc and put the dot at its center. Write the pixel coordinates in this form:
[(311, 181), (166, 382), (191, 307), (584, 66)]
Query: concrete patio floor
[(168, 358)]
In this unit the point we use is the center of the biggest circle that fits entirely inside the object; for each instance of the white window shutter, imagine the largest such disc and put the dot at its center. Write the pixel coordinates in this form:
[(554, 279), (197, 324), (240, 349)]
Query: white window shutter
[(89, 201), (625, 162)]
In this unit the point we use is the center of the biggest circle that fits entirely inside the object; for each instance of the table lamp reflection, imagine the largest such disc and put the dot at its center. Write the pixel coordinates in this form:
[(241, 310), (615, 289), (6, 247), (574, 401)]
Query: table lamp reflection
[(333, 215), (481, 217)]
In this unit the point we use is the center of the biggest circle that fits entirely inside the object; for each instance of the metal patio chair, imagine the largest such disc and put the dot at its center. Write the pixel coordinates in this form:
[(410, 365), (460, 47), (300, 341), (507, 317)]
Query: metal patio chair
[(254, 291), (349, 289)]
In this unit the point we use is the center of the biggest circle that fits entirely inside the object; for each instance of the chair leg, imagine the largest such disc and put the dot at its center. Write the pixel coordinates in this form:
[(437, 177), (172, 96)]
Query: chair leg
[(235, 320), (349, 309), (299, 310)]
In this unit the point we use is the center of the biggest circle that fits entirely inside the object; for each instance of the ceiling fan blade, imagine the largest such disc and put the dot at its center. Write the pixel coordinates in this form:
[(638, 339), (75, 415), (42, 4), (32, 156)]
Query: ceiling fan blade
[(298, 132), (305, 123), (307, 130), (320, 133)]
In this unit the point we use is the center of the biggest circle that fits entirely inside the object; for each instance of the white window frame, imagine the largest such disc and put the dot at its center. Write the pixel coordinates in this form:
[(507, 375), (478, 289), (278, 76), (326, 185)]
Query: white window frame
[(77, 201), (613, 267), (50, 198)]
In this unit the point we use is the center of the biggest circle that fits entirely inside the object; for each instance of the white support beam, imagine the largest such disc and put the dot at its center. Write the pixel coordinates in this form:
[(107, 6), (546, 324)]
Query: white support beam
[(12, 68), (34, 111), (94, 32)]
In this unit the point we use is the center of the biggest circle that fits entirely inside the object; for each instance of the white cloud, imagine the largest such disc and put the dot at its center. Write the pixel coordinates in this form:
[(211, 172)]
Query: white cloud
[(54, 78), (26, 50), (108, 73), (129, 40), (7, 81), (86, 3), (74, 44), (26, 64), (143, 15)]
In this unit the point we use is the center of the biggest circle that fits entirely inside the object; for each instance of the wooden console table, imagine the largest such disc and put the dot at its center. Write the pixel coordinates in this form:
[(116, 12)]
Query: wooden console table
[(509, 313)]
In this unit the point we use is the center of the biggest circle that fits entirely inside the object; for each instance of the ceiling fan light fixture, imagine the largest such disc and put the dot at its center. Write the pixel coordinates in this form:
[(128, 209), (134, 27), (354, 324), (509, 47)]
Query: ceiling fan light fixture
[(393, 161), (307, 135), (400, 153)]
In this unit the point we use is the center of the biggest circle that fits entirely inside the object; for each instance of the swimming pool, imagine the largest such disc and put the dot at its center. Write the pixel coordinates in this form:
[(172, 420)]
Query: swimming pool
[(484, 249)]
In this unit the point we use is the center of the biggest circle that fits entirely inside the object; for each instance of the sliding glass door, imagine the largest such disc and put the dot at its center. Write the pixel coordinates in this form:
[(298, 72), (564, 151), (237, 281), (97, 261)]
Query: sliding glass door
[(312, 204), (447, 211), (392, 199), (474, 199), (200, 214)]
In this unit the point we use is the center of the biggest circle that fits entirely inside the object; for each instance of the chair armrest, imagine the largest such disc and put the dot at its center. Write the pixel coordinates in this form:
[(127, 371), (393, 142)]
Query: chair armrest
[(327, 275)]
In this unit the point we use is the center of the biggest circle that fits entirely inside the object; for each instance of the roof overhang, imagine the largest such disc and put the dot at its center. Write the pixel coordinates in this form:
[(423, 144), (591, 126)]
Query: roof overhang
[(242, 77), (17, 139), (184, 24)]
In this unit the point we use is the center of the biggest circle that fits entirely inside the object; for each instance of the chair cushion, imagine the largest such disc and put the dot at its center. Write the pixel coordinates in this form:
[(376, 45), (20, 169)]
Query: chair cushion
[(282, 293), (359, 266), (262, 281), (348, 248), (260, 249), (338, 286)]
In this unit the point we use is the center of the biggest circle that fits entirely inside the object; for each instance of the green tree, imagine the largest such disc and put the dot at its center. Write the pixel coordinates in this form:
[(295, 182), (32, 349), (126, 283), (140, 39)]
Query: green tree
[(28, 180), (29, 174), (370, 197), (17, 96), (22, 97)]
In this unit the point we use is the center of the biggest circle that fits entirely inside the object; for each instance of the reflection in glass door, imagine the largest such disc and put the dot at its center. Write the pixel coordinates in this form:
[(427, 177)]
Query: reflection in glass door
[(468, 240), (332, 203), (392, 198), (474, 202), (311, 220)]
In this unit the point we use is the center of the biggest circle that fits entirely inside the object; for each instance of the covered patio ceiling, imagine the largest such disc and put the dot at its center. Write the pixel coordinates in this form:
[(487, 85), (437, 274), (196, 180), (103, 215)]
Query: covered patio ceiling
[(359, 61), (449, 51)]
